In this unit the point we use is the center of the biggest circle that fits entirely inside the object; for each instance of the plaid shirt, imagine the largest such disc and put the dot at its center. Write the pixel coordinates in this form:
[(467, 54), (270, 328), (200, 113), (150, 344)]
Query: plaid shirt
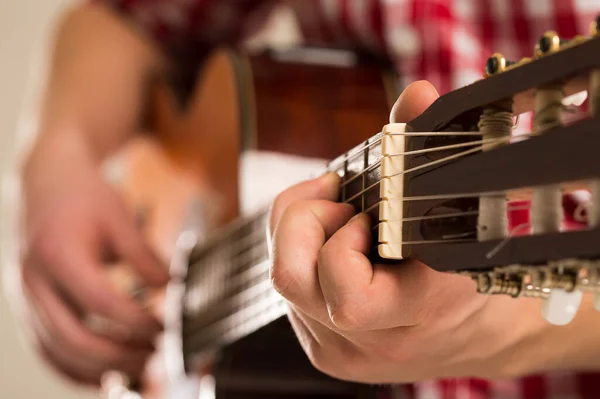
[(444, 41)]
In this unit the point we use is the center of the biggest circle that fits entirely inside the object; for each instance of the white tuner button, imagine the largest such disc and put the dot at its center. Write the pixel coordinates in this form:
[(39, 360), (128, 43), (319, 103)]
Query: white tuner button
[(560, 307)]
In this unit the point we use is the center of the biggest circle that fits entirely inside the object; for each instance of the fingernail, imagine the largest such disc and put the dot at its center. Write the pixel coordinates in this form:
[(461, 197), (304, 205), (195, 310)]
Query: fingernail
[(330, 178), (363, 219)]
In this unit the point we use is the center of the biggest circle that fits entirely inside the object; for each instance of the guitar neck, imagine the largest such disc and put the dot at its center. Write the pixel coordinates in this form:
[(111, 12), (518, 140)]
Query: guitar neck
[(228, 288)]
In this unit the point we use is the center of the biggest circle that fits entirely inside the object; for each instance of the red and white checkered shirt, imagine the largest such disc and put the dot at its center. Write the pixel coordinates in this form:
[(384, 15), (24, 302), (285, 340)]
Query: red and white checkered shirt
[(444, 41)]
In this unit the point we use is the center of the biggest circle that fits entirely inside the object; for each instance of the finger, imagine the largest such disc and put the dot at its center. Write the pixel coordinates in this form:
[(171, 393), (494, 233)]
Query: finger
[(130, 246), (361, 297), (64, 331), (413, 101), (86, 284), (325, 187), (302, 231)]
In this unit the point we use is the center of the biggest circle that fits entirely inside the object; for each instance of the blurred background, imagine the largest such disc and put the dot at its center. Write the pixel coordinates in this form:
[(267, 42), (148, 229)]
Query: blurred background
[(25, 29)]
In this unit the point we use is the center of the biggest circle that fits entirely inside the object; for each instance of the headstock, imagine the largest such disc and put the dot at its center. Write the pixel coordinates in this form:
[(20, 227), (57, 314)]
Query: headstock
[(450, 177)]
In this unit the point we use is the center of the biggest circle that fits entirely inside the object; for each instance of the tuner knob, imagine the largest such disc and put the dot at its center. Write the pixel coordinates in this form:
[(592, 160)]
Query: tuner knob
[(549, 43), (560, 307), (497, 63)]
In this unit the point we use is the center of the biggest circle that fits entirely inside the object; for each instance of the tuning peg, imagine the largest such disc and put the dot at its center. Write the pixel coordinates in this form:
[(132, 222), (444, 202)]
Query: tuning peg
[(496, 64), (549, 43), (561, 306)]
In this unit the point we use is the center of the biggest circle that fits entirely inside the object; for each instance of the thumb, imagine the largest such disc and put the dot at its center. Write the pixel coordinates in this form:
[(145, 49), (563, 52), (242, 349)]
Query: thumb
[(413, 101)]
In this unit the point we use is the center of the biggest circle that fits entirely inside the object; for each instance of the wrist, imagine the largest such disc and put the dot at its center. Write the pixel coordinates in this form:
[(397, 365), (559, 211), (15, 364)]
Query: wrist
[(530, 345)]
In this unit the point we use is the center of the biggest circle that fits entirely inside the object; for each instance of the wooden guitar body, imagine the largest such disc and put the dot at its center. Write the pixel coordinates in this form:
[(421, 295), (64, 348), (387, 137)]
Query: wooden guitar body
[(220, 156)]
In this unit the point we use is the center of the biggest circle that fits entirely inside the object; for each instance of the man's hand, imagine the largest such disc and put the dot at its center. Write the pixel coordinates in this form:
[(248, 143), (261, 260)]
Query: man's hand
[(385, 323), (75, 225)]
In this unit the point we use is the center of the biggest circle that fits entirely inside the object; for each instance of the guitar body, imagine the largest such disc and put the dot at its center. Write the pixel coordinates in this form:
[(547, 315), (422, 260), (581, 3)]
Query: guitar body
[(219, 155)]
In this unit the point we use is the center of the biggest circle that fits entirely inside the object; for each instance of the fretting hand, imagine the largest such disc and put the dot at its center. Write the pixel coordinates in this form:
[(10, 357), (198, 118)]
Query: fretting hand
[(402, 322)]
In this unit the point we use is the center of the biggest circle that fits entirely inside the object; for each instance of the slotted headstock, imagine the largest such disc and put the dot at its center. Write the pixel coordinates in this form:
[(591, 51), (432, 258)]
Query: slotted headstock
[(451, 177)]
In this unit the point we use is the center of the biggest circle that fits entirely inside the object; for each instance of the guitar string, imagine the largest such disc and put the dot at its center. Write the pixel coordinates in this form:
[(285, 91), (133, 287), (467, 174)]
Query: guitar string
[(495, 140), (246, 312), (359, 152), (264, 284), (245, 253), (243, 307), (415, 152), (416, 168), (408, 171), (262, 213), (281, 312), (247, 276), (438, 161)]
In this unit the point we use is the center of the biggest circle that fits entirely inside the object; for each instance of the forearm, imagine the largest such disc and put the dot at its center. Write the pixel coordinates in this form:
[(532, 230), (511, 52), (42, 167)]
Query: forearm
[(97, 84), (537, 346)]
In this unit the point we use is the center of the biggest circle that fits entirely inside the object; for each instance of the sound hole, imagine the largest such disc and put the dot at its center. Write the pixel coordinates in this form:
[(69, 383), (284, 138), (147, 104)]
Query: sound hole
[(453, 219)]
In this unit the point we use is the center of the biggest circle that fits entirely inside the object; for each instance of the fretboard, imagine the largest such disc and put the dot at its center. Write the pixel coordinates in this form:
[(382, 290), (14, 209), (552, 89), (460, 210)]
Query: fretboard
[(228, 288)]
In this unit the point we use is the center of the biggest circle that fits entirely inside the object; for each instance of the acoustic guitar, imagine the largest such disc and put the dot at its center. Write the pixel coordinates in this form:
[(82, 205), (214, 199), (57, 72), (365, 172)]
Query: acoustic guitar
[(439, 188), (203, 178)]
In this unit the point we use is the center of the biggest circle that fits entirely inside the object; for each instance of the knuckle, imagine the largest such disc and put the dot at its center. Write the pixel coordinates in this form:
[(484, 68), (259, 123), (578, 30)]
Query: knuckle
[(281, 278), (349, 316)]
